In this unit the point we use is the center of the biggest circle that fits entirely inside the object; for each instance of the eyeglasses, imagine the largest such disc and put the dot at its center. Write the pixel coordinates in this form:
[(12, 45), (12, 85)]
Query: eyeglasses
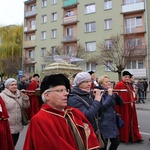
[(60, 91)]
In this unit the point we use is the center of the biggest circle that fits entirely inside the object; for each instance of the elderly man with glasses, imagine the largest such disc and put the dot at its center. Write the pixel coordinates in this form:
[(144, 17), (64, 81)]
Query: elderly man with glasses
[(56, 125)]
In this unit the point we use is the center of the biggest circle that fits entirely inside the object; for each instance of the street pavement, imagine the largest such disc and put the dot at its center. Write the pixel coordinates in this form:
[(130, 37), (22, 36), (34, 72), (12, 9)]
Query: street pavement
[(144, 106)]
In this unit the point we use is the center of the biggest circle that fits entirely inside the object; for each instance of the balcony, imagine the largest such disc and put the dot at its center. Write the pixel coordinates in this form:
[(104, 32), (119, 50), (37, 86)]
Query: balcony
[(28, 44), (28, 29), (30, 61), (134, 7), (68, 3), (70, 20), (140, 51), (69, 39), (139, 29), (30, 13)]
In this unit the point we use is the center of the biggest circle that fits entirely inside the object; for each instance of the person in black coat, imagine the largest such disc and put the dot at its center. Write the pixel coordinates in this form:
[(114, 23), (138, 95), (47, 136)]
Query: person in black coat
[(81, 97), (107, 116)]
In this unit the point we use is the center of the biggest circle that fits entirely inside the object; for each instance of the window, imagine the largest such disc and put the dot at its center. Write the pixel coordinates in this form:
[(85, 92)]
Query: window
[(43, 66), (32, 7), (54, 33), (43, 52), (54, 16), (69, 31), (69, 49), (44, 3), (43, 35), (89, 8), (131, 1), (69, 13), (53, 49), (44, 18), (132, 23), (109, 65), (31, 69), (90, 66), (135, 64), (31, 54), (90, 27), (107, 24), (54, 2), (31, 37), (90, 46), (32, 24), (134, 42), (107, 4), (108, 44)]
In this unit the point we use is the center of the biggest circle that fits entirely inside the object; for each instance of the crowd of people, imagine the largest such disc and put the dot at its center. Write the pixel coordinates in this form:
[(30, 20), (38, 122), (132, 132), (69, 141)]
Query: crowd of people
[(75, 114)]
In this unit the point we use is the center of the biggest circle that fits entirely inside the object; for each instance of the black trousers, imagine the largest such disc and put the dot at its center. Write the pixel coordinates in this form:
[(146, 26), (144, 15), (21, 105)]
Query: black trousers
[(114, 143), (15, 138)]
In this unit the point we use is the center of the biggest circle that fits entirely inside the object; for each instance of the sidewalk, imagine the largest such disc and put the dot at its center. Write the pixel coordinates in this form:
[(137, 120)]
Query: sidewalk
[(146, 105)]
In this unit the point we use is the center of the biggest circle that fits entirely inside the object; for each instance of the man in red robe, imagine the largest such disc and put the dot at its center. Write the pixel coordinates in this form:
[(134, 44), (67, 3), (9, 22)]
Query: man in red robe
[(130, 130), (58, 126), (6, 142), (34, 101)]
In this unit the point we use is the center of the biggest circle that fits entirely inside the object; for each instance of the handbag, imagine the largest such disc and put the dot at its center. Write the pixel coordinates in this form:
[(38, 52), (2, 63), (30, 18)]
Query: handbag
[(99, 135), (25, 118), (119, 121)]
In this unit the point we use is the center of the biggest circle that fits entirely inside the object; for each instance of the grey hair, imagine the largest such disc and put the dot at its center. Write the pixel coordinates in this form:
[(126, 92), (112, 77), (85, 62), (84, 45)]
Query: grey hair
[(43, 97)]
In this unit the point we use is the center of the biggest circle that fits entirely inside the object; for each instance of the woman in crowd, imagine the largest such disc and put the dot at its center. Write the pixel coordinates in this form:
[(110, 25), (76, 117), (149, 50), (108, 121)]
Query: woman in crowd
[(107, 116), (13, 99), (81, 97)]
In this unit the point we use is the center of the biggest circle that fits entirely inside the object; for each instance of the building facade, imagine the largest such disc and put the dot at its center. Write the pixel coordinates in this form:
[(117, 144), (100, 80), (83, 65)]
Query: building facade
[(59, 27)]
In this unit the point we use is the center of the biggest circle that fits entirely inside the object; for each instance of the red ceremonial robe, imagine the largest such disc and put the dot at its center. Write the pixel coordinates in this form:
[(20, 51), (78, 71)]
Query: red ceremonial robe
[(6, 142), (34, 102), (49, 130), (128, 114)]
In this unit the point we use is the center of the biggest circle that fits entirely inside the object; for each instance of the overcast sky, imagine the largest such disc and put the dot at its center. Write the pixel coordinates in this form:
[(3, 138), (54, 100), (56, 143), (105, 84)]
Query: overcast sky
[(11, 12)]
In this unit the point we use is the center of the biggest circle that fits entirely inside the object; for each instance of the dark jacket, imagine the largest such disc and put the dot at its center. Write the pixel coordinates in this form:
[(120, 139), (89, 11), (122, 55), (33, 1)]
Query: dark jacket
[(22, 85), (107, 116), (91, 110)]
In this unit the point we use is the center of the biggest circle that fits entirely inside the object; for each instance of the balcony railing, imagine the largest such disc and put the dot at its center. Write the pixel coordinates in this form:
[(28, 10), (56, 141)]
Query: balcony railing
[(70, 19), (134, 30), (29, 61), (32, 28), (133, 7), (29, 44), (135, 51), (30, 13), (70, 38)]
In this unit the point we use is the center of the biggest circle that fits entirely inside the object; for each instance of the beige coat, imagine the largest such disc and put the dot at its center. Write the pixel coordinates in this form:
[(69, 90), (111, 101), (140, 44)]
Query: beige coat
[(13, 108)]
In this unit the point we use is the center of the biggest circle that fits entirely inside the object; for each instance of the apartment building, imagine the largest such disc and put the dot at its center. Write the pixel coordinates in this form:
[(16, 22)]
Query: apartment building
[(56, 27)]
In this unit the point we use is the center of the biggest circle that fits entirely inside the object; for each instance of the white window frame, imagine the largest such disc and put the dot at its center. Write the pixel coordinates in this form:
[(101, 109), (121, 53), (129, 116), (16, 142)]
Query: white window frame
[(90, 46), (110, 64), (33, 7), (53, 33), (43, 66), (54, 2), (44, 18), (90, 66), (53, 50), (43, 52), (69, 13), (135, 64), (131, 1), (44, 3), (31, 54), (54, 16), (31, 69), (107, 4), (90, 8), (31, 37), (108, 44), (90, 27), (107, 24), (43, 35), (69, 31)]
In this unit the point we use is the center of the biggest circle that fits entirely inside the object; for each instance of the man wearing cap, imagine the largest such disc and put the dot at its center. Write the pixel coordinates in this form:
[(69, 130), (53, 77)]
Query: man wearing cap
[(34, 101), (130, 130), (56, 125)]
